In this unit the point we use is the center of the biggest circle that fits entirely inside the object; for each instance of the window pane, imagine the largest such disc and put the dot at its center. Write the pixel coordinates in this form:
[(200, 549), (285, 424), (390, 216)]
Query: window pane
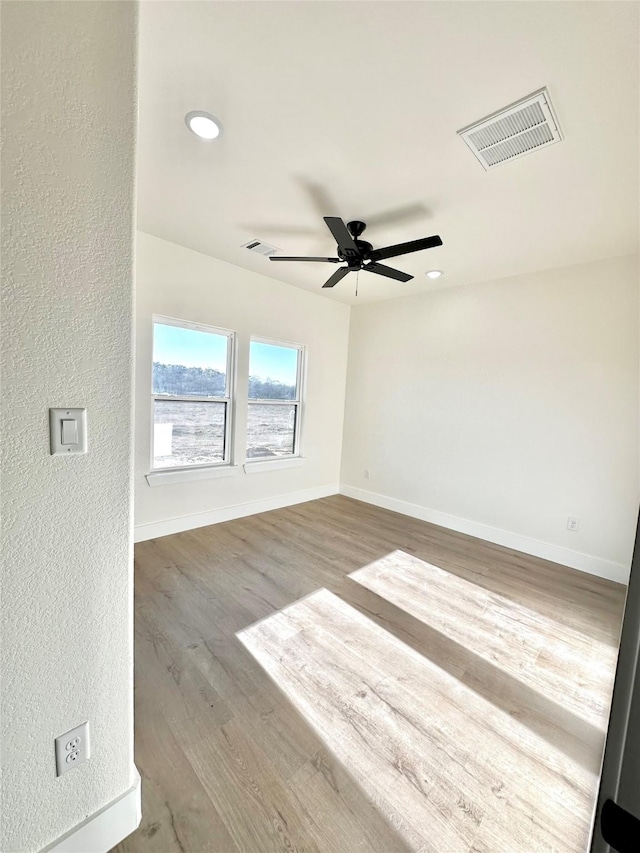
[(273, 372), (187, 433), (187, 362), (270, 430)]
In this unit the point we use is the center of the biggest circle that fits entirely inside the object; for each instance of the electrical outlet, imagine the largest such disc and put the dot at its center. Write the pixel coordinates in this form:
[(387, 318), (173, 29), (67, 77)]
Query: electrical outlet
[(573, 523), (366, 473), (72, 748)]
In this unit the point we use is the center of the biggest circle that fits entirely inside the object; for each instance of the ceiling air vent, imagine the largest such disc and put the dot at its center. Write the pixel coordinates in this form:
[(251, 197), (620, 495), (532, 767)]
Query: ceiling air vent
[(259, 247), (514, 131)]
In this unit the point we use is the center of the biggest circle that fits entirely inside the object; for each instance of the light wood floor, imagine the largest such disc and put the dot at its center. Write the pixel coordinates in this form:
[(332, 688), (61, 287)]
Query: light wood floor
[(451, 695)]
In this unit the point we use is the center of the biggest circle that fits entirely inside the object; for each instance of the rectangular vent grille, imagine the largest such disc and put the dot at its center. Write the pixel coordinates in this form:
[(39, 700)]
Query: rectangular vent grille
[(259, 247), (510, 133)]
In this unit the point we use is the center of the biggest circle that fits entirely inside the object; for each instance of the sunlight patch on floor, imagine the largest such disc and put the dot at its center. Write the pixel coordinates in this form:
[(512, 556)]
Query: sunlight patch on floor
[(447, 767), (560, 663)]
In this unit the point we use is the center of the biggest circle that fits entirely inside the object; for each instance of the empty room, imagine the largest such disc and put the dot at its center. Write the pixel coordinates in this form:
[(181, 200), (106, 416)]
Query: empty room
[(321, 426)]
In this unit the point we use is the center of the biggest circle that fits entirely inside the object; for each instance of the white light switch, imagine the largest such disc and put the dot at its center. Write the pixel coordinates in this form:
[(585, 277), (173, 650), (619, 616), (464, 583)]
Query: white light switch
[(68, 431)]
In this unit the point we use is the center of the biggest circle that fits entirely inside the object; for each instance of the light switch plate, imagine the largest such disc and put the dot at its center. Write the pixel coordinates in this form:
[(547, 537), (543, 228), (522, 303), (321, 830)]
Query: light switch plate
[(56, 417)]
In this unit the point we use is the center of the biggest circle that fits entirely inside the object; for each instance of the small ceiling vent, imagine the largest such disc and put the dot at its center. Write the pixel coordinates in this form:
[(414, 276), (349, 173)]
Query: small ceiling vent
[(259, 247), (514, 131)]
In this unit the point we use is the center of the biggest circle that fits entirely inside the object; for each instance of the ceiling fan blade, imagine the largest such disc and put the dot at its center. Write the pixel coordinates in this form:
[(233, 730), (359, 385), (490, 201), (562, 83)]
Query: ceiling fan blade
[(405, 248), (320, 260), (381, 269), (342, 237), (338, 275)]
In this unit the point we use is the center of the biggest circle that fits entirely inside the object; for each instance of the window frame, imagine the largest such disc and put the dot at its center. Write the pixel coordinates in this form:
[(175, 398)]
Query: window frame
[(228, 399), (297, 402)]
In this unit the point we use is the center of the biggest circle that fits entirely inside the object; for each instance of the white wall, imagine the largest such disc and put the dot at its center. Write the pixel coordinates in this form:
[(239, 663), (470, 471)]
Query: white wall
[(177, 282), (68, 121), (502, 408)]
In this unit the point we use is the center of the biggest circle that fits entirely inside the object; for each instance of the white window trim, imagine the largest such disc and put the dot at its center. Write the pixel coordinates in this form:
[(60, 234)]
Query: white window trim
[(264, 463), (187, 475), (205, 470), (273, 463)]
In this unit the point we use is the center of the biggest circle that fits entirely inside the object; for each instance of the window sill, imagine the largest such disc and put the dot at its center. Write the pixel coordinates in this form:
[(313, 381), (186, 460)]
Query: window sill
[(188, 475), (261, 465)]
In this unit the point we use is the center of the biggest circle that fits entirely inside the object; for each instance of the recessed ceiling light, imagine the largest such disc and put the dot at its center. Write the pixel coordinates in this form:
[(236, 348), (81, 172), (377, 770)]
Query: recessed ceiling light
[(434, 273), (203, 124)]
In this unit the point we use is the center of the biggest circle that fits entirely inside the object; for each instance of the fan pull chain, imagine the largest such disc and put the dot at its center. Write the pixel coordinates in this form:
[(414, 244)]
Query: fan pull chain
[(357, 280)]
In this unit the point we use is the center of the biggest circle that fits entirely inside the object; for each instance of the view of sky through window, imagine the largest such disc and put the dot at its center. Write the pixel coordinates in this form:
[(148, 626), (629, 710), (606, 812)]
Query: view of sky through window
[(274, 362), (189, 347)]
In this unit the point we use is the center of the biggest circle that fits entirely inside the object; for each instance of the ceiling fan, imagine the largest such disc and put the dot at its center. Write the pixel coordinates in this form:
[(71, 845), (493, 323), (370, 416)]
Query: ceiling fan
[(360, 255)]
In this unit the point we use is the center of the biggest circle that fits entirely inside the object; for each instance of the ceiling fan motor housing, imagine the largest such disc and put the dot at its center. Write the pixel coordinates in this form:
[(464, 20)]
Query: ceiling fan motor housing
[(354, 260)]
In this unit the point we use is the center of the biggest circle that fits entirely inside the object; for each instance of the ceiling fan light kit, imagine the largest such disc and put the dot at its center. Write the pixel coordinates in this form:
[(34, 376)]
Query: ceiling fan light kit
[(359, 254)]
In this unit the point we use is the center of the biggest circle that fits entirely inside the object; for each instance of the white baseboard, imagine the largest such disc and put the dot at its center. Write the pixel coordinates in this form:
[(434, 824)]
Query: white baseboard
[(555, 553), (100, 832), (155, 529)]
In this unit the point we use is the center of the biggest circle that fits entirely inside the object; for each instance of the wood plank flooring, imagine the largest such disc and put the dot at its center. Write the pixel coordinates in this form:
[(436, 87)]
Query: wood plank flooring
[(451, 696)]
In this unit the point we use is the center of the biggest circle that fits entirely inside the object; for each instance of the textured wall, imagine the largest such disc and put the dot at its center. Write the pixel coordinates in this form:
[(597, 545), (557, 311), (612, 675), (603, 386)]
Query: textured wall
[(512, 403), (68, 118), (176, 282)]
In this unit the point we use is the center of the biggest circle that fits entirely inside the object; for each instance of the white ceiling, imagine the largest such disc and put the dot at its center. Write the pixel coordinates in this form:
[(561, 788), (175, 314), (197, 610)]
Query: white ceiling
[(351, 109)]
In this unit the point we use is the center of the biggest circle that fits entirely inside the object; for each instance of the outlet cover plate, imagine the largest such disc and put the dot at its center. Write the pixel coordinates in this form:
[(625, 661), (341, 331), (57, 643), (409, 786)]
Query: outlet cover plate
[(72, 748)]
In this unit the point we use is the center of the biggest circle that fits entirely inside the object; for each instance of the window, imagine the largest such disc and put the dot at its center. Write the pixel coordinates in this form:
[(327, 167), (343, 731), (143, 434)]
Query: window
[(273, 419), (191, 394)]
